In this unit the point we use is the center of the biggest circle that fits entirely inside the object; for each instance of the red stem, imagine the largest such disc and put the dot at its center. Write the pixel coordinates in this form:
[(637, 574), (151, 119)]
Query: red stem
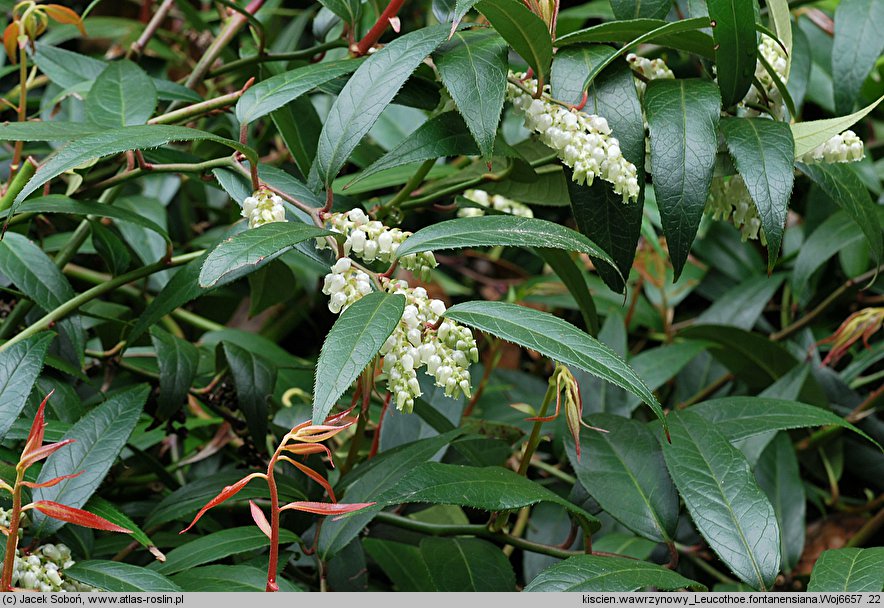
[(374, 34), (274, 526), (12, 539)]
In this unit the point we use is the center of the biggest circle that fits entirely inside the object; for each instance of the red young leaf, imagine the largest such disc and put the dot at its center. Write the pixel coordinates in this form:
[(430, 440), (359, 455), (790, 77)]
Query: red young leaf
[(76, 516), (326, 508), (312, 475), (259, 518), (51, 482), (38, 428), (63, 14), (226, 493), (40, 453), (10, 41)]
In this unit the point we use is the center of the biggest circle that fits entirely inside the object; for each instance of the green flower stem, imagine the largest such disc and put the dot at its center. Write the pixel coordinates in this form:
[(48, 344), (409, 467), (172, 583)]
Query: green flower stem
[(198, 109), (74, 303), (268, 57), (411, 185), (25, 172), (125, 176), (534, 438)]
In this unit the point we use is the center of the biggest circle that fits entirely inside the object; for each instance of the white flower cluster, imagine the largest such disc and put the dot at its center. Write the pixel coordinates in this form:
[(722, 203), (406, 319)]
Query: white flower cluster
[(770, 97), (650, 69), (263, 207), (371, 240), (582, 141), (344, 285), (446, 351), (42, 570), (730, 200), (843, 148), (494, 201)]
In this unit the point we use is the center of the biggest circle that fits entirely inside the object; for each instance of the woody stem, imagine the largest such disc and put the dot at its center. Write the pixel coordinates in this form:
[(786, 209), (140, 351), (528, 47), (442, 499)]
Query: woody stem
[(12, 539)]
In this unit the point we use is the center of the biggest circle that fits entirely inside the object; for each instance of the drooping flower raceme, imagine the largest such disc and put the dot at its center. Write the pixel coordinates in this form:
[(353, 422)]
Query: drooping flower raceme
[(650, 69), (729, 200), (843, 148), (582, 141), (371, 240), (42, 570), (493, 201), (769, 96), (263, 207), (446, 351), (344, 285)]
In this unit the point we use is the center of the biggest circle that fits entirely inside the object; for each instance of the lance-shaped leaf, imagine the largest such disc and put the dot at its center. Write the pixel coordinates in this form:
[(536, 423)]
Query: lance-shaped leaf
[(367, 93), (353, 343), (812, 133), (326, 508), (848, 570), (762, 150), (523, 30), (691, 40), (556, 339), (858, 44), (119, 577), (254, 377), (222, 496), (634, 9), (682, 116), (217, 546), (20, 365), (76, 516), (593, 573), (778, 475), (466, 564), (348, 10), (122, 95), (260, 519), (178, 361), (736, 47)]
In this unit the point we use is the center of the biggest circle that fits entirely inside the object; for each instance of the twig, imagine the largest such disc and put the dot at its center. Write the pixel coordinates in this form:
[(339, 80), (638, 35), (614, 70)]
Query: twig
[(374, 34), (153, 25)]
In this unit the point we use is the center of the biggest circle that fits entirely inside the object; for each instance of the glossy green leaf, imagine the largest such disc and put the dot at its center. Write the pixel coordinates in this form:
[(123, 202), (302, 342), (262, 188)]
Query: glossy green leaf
[(742, 305), (277, 91), (728, 508), (254, 377), (367, 93), (835, 233), (556, 339), (442, 135), (635, 9), (623, 470), (20, 365), (847, 191), (810, 134), (103, 508), (47, 131), (485, 488), (593, 573), (682, 117), (228, 579), (473, 67), (506, 230), (523, 30), (216, 546), (99, 437), (119, 577), (781, 21), (858, 44), (403, 564), (122, 95), (763, 153), (348, 10), (778, 475), (573, 278), (370, 480), (741, 417), (110, 247), (352, 343), (242, 253), (692, 40), (736, 50), (178, 360), (467, 564), (848, 570)]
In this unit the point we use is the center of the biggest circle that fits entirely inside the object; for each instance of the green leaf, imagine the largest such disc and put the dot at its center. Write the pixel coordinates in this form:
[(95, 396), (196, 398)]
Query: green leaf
[(119, 577), (485, 488), (473, 67), (835, 233), (82, 150), (277, 91), (810, 134), (506, 230), (122, 95), (403, 564), (99, 437), (352, 343), (778, 475), (299, 126), (228, 579), (368, 481), (442, 135), (742, 305), (593, 573), (216, 546), (573, 278), (858, 44), (781, 21), (367, 93), (736, 46), (467, 564), (728, 508), (47, 131), (246, 252), (254, 378), (348, 10), (634, 9), (556, 339), (682, 116), (845, 188), (103, 508), (848, 570), (110, 247), (691, 40), (598, 211), (623, 470), (178, 361), (523, 30), (741, 417), (20, 365), (763, 152)]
